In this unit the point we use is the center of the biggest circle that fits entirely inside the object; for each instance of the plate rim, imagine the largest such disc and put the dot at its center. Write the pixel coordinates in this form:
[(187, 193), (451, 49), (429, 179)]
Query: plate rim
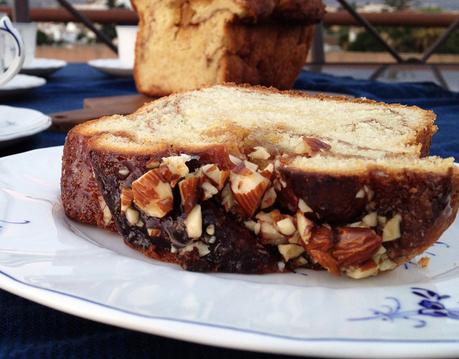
[(44, 124), (155, 325)]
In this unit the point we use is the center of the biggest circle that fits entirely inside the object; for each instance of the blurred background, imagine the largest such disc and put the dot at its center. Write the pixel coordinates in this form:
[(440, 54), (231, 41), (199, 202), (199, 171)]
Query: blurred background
[(343, 46)]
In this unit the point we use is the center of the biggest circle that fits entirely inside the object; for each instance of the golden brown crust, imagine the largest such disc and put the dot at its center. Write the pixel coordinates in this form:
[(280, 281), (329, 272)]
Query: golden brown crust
[(80, 194)]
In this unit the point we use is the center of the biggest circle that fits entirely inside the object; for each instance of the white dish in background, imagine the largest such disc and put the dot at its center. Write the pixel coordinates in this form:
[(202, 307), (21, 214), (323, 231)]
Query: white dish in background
[(17, 123), (112, 67), (20, 84), (43, 67), (79, 269)]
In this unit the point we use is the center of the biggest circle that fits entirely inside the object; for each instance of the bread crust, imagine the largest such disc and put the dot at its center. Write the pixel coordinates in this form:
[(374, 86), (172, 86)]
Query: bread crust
[(80, 193)]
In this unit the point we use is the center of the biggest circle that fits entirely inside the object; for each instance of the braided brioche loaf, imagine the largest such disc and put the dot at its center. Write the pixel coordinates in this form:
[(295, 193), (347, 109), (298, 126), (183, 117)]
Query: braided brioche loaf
[(184, 45), (253, 180)]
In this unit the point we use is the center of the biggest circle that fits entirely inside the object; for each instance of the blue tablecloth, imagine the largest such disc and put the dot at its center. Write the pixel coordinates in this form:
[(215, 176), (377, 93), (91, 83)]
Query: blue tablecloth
[(28, 330)]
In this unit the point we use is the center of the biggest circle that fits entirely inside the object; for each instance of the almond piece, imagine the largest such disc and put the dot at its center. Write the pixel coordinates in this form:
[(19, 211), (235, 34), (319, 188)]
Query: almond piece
[(371, 219), (193, 222), (386, 264), (355, 245), (365, 270), (391, 229), (270, 235), (123, 171), (325, 260), (360, 193), (217, 176), (154, 232), (268, 198), (305, 227), (177, 164), (303, 207), (132, 216), (259, 153), (248, 187), (268, 171), (290, 251), (250, 165), (235, 160), (208, 190), (152, 195), (190, 192), (286, 226), (126, 198), (227, 198), (210, 229), (106, 214), (253, 226)]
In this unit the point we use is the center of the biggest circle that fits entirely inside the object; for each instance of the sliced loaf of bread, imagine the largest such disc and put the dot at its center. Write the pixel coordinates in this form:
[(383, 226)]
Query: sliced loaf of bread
[(254, 180)]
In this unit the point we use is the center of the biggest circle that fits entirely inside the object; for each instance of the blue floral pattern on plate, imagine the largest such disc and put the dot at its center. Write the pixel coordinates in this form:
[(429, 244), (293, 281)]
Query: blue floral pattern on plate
[(431, 305)]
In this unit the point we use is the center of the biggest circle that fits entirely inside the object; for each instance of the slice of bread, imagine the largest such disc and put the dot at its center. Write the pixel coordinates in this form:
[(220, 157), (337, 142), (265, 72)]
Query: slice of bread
[(348, 172), (184, 45)]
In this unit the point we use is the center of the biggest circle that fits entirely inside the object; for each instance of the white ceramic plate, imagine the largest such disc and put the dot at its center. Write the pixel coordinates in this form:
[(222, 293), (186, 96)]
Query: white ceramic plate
[(20, 84), (112, 67), (17, 123), (43, 67), (45, 257)]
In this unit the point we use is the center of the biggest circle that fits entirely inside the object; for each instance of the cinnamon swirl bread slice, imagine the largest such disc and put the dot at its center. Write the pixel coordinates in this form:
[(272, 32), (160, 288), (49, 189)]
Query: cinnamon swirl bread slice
[(253, 180)]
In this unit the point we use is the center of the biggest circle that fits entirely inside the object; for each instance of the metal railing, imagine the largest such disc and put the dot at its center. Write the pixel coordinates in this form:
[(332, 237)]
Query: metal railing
[(349, 17)]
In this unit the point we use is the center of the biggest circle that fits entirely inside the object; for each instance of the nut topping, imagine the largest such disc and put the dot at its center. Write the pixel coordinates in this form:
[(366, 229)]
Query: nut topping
[(106, 214), (177, 164), (260, 153), (391, 230), (253, 226), (235, 160), (371, 219), (152, 195), (123, 171), (132, 216), (269, 198), (126, 199), (360, 193), (364, 270), (290, 251), (286, 226), (305, 227), (193, 222), (154, 232), (303, 207), (210, 229), (227, 198), (209, 190), (355, 245), (190, 192), (268, 171), (217, 176), (248, 187), (270, 235)]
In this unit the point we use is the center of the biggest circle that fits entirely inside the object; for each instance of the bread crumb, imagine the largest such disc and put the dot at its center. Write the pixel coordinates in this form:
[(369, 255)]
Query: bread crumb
[(424, 262)]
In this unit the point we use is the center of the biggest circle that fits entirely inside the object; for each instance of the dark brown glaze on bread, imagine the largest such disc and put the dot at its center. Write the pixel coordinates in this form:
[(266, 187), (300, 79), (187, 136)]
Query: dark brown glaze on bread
[(236, 249), (427, 203)]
